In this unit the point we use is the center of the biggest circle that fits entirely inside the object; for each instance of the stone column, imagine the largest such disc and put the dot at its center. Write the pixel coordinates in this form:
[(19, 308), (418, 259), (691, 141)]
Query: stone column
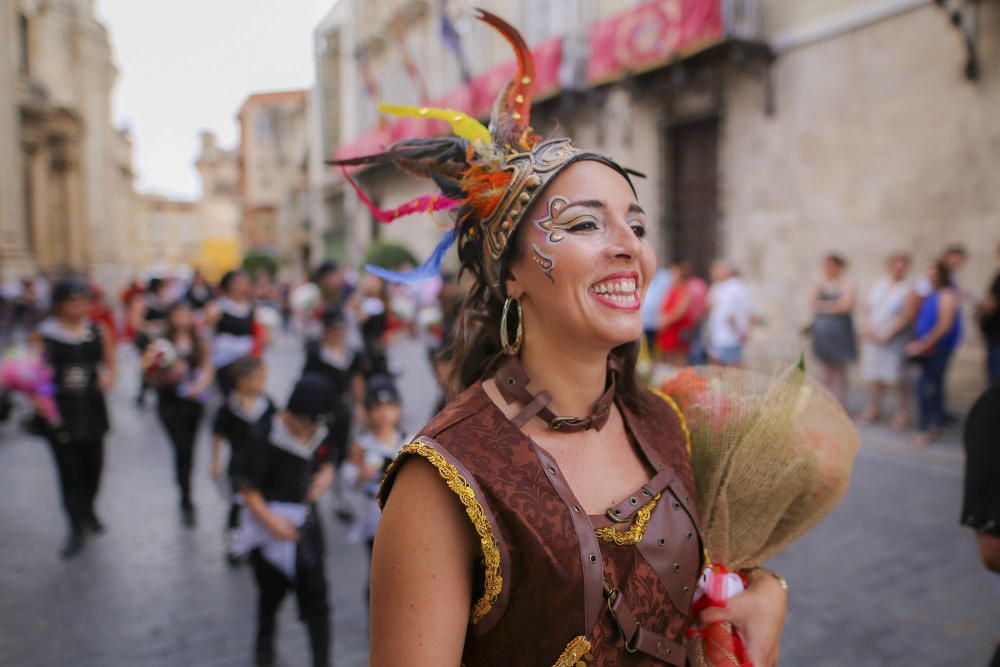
[(15, 258)]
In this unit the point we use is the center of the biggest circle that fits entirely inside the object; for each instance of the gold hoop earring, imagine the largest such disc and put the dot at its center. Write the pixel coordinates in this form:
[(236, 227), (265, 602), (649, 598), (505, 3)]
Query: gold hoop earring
[(509, 349)]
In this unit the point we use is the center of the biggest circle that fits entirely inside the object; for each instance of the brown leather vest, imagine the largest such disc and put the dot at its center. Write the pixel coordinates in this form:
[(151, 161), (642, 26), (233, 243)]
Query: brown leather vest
[(557, 587)]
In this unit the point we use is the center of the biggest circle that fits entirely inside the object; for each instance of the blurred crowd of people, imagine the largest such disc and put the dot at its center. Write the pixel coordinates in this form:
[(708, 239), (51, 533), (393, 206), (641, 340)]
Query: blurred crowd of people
[(903, 329), (201, 350)]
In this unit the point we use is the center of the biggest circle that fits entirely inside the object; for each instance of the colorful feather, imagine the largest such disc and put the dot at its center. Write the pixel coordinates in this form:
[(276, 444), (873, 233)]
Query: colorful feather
[(422, 204), (522, 87), (428, 269), (461, 123)]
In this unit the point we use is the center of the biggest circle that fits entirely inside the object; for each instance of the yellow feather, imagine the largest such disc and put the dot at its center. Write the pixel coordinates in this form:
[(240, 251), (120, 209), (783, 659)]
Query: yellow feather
[(462, 124)]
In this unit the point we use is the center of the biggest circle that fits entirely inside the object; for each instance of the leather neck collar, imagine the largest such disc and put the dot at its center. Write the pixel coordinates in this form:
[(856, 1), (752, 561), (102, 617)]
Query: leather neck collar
[(512, 383)]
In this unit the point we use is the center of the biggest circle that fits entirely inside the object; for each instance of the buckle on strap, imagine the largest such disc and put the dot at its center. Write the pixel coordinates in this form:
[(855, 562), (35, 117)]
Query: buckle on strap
[(560, 423)]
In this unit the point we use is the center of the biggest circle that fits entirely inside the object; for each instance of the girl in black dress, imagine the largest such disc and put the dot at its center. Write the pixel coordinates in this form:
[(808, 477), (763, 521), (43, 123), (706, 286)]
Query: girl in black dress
[(84, 366), (231, 318), (182, 387), (345, 370)]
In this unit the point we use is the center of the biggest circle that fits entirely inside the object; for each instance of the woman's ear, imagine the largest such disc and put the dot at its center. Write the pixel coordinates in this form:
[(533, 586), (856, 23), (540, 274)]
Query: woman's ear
[(514, 289)]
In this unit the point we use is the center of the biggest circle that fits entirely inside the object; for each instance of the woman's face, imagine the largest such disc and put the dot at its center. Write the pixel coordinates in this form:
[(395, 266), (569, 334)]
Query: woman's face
[(899, 267), (239, 286), (583, 264), (831, 269), (75, 308), (335, 334), (181, 318), (934, 276)]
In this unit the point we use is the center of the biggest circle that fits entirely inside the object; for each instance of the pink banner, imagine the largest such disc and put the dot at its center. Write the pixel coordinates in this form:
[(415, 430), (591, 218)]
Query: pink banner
[(650, 35)]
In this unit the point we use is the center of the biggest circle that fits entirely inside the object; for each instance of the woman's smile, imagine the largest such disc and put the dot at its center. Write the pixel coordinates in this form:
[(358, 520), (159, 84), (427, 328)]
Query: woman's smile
[(619, 290)]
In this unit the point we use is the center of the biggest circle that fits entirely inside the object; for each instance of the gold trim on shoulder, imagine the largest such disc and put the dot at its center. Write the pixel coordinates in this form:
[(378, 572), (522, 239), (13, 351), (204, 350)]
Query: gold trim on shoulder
[(491, 547), (633, 535), (680, 415), (577, 652)]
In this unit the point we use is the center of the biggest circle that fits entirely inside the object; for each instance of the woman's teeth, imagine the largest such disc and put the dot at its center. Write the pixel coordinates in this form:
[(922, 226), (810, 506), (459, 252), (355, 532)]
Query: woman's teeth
[(619, 291)]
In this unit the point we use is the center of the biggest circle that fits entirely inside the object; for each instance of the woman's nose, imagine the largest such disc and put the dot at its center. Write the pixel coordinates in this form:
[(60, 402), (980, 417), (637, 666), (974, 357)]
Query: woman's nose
[(625, 242)]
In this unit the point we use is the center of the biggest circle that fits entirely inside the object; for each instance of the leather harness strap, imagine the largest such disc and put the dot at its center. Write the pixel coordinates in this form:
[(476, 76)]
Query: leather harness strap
[(512, 383), (638, 638)]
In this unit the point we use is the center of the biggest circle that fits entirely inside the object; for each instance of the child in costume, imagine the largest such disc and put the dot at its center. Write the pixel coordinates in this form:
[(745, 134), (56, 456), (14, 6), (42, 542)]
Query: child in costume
[(371, 453), (281, 474), (246, 413)]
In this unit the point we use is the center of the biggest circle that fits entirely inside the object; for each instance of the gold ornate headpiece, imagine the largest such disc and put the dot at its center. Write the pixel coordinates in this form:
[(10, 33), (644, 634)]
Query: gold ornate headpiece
[(489, 177)]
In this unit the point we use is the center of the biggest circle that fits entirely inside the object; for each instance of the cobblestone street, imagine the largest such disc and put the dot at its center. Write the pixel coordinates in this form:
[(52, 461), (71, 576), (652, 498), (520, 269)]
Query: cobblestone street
[(889, 578)]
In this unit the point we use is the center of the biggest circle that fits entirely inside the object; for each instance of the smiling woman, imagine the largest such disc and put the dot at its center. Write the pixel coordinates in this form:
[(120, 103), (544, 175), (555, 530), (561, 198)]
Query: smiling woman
[(546, 516)]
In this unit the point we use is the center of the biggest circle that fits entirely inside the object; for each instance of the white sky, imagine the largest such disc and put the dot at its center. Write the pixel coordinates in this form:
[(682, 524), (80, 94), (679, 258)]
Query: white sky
[(187, 65)]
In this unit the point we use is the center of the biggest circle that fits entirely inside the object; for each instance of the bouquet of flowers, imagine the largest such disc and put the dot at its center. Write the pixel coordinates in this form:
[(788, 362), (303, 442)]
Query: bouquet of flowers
[(28, 374), (771, 457)]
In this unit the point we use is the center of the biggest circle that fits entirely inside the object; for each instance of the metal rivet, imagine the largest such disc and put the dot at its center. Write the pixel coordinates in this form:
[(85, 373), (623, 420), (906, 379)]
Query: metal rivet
[(677, 567), (670, 652), (689, 535), (511, 380), (686, 589), (676, 505), (617, 511), (659, 646), (661, 541), (576, 508), (552, 470), (633, 501), (593, 558), (645, 493)]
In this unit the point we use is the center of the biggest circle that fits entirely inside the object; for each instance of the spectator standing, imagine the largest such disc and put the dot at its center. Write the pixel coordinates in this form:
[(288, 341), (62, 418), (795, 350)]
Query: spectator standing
[(988, 313), (981, 504), (833, 340), (652, 305), (887, 318), (938, 333), (728, 321), (698, 292), (676, 322)]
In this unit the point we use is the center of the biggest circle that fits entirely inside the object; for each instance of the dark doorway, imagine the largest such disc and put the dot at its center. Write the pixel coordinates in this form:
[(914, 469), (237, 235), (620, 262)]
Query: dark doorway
[(692, 227)]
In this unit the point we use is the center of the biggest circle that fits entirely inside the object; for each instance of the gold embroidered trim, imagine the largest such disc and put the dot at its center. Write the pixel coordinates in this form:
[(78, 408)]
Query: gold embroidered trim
[(491, 552), (680, 415), (574, 653), (634, 534)]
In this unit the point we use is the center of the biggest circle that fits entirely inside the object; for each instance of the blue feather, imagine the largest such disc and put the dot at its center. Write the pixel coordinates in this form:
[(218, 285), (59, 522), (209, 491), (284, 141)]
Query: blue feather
[(428, 269)]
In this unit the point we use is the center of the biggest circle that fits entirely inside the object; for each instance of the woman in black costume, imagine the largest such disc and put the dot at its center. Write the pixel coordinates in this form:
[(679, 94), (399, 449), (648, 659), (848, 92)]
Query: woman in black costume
[(84, 367), (182, 387)]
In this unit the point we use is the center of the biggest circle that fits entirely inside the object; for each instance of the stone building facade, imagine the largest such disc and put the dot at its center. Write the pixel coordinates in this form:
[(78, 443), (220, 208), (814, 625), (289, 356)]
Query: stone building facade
[(66, 197), (789, 129), (219, 208), (273, 167)]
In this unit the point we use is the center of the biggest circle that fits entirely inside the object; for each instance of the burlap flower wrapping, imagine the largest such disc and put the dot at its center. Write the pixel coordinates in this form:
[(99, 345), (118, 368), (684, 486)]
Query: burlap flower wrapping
[(772, 455)]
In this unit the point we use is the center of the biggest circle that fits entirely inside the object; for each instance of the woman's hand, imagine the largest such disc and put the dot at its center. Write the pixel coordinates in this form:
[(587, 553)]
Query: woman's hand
[(758, 616), (282, 529), (321, 481), (105, 380)]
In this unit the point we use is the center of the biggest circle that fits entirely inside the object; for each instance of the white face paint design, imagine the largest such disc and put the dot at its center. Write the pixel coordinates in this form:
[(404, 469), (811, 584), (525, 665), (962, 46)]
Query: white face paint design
[(588, 218), (544, 261)]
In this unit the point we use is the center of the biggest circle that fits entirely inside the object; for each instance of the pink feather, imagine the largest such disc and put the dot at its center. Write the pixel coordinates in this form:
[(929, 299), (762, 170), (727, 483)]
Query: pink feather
[(421, 204)]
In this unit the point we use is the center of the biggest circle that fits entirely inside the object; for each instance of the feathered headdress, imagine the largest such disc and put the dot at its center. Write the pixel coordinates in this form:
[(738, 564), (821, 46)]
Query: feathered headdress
[(488, 177)]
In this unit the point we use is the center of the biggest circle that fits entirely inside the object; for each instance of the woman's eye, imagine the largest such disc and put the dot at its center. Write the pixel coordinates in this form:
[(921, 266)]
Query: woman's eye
[(640, 231), (585, 226)]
